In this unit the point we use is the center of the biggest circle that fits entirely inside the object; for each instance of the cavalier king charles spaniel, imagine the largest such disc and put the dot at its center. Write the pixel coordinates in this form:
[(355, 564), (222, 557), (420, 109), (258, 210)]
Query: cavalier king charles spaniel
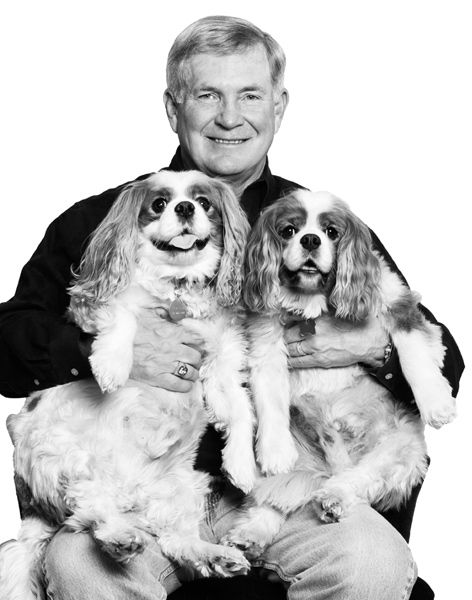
[(333, 437), (114, 456)]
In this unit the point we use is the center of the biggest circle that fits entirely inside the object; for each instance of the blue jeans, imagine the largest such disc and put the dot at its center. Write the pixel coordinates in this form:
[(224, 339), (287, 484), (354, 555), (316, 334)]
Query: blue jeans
[(360, 558)]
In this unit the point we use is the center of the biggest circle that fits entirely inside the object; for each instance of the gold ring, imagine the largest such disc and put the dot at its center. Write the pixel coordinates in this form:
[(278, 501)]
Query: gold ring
[(181, 369)]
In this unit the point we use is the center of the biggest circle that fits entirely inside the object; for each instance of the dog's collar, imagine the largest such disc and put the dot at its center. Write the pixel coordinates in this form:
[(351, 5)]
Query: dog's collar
[(178, 309)]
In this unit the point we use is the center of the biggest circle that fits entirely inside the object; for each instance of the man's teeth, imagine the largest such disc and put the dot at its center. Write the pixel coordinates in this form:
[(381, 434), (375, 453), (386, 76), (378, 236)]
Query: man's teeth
[(221, 141)]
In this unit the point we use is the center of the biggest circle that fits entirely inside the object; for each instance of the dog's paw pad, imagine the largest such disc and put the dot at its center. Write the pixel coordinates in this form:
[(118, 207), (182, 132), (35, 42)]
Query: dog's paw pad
[(251, 548), (122, 546), (331, 512), (226, 562), (331, 506)]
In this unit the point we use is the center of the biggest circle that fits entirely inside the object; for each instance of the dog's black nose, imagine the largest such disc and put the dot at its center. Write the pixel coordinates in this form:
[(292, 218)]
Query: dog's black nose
[(185, 209), (310, 241)]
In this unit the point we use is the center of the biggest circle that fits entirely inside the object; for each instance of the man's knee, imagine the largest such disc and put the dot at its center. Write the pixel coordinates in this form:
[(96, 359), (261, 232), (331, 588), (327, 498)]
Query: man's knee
[(69, 564), (376, 563), (76, 569), (361, 557)]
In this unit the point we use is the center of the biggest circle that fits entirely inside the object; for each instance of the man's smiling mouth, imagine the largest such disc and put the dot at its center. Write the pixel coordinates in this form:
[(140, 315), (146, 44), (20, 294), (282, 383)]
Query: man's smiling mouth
[(227, 141)]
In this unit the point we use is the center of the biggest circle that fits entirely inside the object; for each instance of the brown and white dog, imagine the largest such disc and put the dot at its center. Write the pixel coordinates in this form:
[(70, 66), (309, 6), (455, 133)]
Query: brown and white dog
[(114, 456), (333, 437)]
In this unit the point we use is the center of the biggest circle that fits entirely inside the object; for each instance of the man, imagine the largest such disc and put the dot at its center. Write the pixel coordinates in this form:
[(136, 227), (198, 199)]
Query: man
[(225, 100)]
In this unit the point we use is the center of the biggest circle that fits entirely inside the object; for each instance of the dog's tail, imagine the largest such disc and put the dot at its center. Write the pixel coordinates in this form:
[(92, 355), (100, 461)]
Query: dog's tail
[(21, 576)]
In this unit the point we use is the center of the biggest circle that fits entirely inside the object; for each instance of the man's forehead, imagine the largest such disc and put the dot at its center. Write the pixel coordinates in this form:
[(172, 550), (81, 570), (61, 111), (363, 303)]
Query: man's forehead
[(247, 69)]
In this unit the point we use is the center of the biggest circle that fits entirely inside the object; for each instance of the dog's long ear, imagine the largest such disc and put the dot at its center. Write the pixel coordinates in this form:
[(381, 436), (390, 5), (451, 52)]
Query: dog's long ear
[(262, 264), (107, 263), (235, 231), (356, 291)]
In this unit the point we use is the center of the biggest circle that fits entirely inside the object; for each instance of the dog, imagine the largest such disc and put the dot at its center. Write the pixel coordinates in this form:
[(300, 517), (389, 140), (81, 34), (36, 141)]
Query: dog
[(332, 437), (113, 456)]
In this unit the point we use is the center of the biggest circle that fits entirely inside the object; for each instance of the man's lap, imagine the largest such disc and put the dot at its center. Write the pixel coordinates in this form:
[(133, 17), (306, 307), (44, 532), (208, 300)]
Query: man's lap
[(306, 554)]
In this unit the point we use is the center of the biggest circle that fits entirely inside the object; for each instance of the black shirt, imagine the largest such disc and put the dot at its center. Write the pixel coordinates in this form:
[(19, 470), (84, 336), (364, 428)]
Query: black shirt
[(40, 349)]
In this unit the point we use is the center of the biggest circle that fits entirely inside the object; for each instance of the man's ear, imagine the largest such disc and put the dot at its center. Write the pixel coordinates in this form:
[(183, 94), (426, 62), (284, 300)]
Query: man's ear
[(171, 110), (281, 102)]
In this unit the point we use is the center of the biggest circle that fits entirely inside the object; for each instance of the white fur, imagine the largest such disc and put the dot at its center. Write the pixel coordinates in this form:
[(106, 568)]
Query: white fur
[(353, 441), (114, 457)]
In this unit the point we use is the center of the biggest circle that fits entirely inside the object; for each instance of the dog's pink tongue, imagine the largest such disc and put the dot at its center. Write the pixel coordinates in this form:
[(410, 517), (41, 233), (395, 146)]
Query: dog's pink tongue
[(184, 241)]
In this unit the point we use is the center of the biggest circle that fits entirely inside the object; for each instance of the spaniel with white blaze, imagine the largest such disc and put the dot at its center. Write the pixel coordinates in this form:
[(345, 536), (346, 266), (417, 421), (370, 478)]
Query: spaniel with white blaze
[(113, 456), (333, 437)]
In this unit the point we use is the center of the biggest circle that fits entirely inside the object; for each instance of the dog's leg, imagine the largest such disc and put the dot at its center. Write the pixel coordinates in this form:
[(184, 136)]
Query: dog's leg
[(383, 477), (94, 508), (227, 400), (255, 529), (20, 561), (421, 357), (112, 351), (276, 451), (420, 350)]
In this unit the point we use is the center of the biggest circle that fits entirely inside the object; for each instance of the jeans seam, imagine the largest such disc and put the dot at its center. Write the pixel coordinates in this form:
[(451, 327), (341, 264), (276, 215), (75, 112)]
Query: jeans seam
[(46, 584), (170, 570), (412, 576), (276, 568)]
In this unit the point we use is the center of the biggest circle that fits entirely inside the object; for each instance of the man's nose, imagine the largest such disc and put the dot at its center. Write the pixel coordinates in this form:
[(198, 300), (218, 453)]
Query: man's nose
[(185, 209), (229, 114), (310, 241)]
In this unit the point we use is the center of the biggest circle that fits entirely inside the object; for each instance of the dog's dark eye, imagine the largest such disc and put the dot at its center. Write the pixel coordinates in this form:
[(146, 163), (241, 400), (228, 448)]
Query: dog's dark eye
[(204, 202), (332, 232), (288, 232), (158, 204)]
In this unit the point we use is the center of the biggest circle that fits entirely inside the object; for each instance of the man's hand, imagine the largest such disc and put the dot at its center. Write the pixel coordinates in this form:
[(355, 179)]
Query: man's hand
[(337, 343), (160, 347)]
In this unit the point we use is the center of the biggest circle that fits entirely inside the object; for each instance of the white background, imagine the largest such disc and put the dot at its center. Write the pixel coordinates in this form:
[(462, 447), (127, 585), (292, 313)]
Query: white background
[(380, 114)]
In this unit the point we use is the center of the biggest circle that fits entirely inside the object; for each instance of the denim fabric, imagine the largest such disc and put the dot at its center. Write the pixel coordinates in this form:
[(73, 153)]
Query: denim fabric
[(361, 558)]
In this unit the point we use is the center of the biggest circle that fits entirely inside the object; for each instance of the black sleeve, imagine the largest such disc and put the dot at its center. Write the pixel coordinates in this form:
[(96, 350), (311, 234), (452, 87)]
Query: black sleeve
[(390, 374), (39, 348)]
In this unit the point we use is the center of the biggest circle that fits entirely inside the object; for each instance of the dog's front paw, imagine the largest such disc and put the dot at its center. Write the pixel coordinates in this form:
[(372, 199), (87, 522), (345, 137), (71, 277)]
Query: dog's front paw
[(276, 452), (437, 410), (121, 544), (111, 370), (240, 467), (222, 561)]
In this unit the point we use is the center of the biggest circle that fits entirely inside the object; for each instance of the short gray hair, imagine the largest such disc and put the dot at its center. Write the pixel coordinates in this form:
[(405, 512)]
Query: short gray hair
[(220, 35)]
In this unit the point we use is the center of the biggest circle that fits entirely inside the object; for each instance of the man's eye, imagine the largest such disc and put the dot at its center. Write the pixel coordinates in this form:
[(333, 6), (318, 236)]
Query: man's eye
[(208, 97), (251, 97), (204, 203), (158, 204), (332, 232), (288, 232)]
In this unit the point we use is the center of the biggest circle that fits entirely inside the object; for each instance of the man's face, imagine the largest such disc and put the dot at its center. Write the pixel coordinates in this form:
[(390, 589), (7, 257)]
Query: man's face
[(229, 114)]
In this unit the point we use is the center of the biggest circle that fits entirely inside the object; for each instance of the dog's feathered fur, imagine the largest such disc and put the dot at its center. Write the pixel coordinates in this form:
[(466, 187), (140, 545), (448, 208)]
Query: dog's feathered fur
[(334, 437), (117, 460)]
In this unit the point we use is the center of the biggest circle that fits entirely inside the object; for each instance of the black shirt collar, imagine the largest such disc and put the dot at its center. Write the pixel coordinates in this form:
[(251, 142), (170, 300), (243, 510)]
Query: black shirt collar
[(255, 197)]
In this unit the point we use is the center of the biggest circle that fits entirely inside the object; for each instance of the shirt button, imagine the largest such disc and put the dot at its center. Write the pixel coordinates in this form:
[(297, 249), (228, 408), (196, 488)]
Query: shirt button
[(74, 372), (36, 382), (388, 376)]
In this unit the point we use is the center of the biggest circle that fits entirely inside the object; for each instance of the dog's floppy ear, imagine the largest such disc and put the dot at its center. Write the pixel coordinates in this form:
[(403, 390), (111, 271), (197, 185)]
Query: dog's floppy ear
[(356, 291), (107, 263), (262, 264), (235, 231)]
